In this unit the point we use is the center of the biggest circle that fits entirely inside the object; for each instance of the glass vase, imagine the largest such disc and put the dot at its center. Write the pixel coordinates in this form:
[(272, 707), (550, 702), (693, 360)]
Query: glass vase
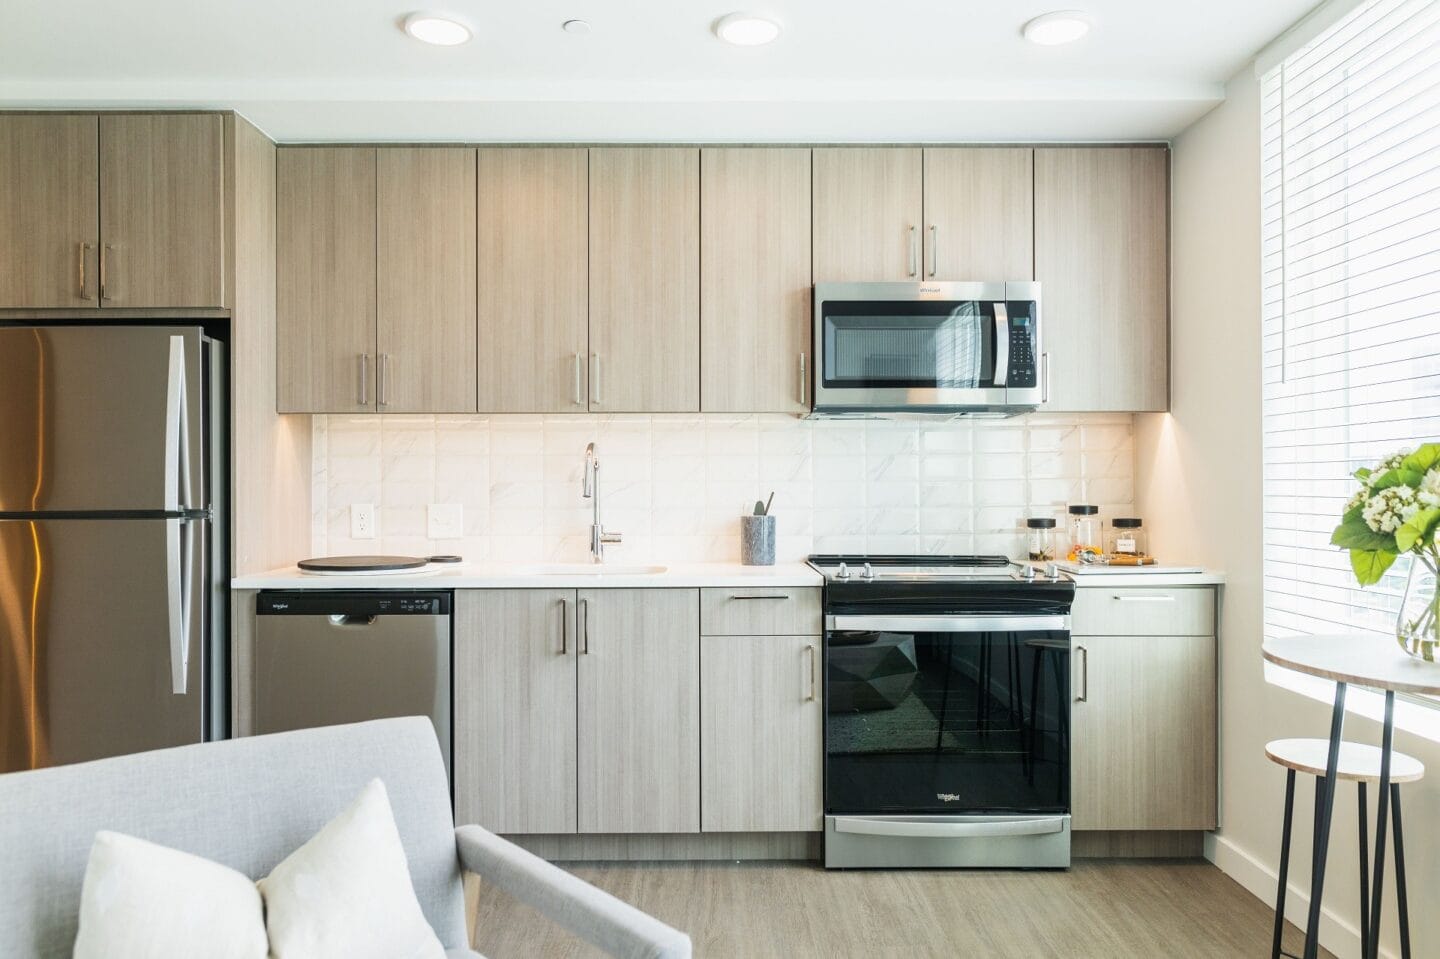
[(1416, 627)]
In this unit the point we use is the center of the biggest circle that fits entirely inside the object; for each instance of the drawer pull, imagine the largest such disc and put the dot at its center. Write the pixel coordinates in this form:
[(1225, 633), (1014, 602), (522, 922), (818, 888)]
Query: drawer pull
[(1143, 599), (743, 596), (810, 671)]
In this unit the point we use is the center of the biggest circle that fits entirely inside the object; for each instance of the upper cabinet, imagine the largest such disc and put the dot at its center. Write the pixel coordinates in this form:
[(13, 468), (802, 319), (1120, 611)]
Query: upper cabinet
[(533, 277), (868, 212), (375, 283), (644, 280), (325, 279), (754, 279), (979, 213), (1102, 260), (117, 210), (425, 290), (49, 210)]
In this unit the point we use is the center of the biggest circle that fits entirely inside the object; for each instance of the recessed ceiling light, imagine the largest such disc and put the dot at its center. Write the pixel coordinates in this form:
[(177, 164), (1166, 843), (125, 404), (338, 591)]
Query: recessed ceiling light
[(433, 28), (576, 26), (1062, 26), (746, 29)]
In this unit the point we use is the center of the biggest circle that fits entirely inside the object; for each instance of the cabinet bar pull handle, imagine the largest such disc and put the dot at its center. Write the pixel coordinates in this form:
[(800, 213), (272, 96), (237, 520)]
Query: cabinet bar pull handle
[(810, 671), (382, 376), (1084, 695), (773, 596), (104, 289), (585, 626), (1143, 599), (1044, 377), (364, 379), (914, 255), (934, 257), (564, 625), (578, 394), (803, 384), (595, 378), (84, 255)]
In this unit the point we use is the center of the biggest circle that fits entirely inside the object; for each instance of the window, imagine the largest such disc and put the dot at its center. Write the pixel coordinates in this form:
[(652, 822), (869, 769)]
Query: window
[(1351, 303)]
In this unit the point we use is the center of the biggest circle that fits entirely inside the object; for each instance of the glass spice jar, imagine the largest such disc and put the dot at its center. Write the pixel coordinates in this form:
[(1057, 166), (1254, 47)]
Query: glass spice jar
[(1125, 546), (1085, 540), (1040, 537)]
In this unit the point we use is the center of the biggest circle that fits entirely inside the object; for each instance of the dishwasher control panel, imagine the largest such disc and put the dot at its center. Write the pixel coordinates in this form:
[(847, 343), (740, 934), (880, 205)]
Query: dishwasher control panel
[(359, 602)]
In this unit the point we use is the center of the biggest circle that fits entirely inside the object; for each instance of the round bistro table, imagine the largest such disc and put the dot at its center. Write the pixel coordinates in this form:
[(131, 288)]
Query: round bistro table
[(1377, 662)]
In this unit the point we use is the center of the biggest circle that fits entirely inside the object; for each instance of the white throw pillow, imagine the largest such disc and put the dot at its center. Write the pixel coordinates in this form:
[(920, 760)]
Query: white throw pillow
[(143, 901), (347, 894)]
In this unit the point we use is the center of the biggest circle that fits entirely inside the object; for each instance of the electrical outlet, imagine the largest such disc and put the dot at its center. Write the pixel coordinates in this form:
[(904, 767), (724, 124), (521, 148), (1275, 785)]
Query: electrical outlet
[(445, 520), (362, 521)]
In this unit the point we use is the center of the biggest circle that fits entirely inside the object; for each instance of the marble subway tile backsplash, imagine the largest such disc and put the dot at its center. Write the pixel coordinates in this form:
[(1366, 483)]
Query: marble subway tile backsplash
[(675, 485)]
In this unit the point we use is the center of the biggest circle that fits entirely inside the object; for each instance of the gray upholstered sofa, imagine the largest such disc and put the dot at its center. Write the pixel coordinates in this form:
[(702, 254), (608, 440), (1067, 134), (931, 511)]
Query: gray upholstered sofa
[(248, 803)]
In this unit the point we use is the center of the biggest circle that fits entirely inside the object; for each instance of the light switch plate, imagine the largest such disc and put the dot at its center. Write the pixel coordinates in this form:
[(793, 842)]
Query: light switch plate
[(362, 521), (445, 520)]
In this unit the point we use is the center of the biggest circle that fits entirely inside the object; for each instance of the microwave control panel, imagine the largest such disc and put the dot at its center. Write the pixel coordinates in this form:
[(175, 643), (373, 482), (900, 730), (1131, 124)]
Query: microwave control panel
[(1023, 354)]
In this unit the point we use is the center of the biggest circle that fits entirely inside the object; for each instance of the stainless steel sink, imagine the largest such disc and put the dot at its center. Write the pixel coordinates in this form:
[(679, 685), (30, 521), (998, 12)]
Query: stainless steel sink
[(588, 569)]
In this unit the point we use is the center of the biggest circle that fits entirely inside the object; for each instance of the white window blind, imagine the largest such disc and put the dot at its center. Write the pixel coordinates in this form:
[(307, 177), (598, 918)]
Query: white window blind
[(1351, 304)]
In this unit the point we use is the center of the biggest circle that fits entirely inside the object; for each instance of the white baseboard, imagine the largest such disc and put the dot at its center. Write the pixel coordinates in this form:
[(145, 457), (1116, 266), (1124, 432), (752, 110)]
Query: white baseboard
[(1336, 934)]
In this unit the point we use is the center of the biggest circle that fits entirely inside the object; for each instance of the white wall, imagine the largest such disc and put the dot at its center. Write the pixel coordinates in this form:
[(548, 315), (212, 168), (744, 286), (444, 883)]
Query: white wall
[(1197, 478), (675, 485)]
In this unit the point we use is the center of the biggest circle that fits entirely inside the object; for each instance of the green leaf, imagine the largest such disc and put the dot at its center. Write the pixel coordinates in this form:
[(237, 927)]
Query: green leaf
[(1363, 473), (1354, 513), (1370, 564), (1422, 459), (1420, 528), (1399, 477), (1354, 534)]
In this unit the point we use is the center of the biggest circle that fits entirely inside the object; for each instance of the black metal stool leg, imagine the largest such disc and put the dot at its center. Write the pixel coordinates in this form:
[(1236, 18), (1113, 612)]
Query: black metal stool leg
[(1364, 861), (1325, 789), (1400, 900), (1371, 943), (1284, 862)]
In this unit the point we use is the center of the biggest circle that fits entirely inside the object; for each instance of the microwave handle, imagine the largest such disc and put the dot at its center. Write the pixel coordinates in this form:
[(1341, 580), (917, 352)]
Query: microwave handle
[(1002, 344)]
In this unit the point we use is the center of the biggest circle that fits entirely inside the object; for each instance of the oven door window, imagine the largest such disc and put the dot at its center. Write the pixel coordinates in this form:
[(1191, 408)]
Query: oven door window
[(905, 345), (923, 722)]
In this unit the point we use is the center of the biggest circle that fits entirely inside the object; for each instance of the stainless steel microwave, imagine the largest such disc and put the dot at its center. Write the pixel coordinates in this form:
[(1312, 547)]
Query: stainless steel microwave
[(931, 347)]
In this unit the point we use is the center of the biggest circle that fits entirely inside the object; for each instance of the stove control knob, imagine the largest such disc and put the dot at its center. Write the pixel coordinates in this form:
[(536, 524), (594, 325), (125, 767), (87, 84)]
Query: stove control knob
[(869, 573), (1052, 571), (1030, 574), (843, 572)]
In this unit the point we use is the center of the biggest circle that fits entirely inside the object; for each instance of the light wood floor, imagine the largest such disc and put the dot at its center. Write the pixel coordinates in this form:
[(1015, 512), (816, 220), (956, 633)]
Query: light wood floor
[(1109, 909)]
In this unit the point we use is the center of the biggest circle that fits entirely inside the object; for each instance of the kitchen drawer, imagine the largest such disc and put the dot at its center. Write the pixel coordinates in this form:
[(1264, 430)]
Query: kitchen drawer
[(1143, 611), (760, 611)]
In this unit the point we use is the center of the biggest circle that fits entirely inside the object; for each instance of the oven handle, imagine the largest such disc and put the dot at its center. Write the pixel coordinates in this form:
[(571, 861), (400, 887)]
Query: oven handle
[(950, 830), (950, 624)]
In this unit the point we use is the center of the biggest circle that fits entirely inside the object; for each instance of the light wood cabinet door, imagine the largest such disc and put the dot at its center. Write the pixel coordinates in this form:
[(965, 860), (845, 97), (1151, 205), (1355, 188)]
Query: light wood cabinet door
[(644, 280), (867, 214), (425, 291), (639, 710), (162, 211), (979, 213), (532, 280), (49, 210), (755, 289), (760, 733), (325, 279), (514, 673), (1143, 752), (1102, 260)]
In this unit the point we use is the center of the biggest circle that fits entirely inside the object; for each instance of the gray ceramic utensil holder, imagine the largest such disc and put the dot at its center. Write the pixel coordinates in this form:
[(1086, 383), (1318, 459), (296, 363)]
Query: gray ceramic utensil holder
[(757, 540)]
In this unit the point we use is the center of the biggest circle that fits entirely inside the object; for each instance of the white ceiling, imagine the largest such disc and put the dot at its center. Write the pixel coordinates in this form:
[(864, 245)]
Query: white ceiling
[(650, 70)]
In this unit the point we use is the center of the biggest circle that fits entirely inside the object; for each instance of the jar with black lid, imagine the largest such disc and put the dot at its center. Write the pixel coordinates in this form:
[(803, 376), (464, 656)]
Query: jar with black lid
[(1086, 545), (1125, 545), (1040, 539)]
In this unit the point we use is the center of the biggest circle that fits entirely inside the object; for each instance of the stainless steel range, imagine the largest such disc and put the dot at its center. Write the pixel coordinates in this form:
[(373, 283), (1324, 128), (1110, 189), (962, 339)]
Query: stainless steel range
[(947, 712)]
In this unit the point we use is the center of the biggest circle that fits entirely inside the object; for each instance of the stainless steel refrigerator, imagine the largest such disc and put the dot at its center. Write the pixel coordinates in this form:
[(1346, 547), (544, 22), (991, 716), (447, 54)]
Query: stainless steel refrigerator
[(113, 589)]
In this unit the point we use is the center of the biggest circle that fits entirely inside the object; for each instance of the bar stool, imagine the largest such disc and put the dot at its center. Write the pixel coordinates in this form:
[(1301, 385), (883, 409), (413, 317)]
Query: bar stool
[(1360, 764)]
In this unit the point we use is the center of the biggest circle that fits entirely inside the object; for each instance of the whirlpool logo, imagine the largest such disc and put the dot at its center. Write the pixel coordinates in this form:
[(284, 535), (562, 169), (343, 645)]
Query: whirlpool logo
[(948, 797)]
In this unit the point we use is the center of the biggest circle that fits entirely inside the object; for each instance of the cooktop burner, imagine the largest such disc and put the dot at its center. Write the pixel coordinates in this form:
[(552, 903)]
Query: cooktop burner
[(922, 569), (939, 585)]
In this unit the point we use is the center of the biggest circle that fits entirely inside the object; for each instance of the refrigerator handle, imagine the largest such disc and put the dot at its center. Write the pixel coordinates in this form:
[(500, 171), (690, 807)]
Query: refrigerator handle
[(178, 494), (179, 559)]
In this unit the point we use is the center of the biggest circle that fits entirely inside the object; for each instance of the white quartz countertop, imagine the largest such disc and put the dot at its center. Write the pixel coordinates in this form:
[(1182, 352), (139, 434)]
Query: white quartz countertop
[(1158, 577), (527, 575)]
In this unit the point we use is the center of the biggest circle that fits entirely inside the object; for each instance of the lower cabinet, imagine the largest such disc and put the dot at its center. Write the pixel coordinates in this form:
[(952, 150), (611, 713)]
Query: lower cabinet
[(760, 733), (578, 710), (1143, 732)]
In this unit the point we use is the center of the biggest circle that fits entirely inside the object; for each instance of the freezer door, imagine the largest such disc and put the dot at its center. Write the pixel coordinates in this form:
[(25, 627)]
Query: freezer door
[(89, 663), (100, 418)]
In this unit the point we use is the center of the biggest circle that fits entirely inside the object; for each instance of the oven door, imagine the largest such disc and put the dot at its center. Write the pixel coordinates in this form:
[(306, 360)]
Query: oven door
[(947, 715)]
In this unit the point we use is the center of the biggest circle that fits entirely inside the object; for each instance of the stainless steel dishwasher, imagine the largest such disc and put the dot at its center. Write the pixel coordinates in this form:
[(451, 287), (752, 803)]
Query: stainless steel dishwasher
[(326, 657)]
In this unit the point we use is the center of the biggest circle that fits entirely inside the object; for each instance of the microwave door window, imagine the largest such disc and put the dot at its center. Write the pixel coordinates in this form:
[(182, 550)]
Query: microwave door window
[(937, 345)]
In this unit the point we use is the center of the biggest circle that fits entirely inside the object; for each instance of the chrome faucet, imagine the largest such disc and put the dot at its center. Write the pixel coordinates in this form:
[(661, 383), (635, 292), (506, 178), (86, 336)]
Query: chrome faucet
[(590, 489)]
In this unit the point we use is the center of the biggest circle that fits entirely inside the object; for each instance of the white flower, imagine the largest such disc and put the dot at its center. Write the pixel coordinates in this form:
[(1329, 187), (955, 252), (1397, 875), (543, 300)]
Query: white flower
[(1389, 463), (1391, 508), (1361, 495), (1429, 494)]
